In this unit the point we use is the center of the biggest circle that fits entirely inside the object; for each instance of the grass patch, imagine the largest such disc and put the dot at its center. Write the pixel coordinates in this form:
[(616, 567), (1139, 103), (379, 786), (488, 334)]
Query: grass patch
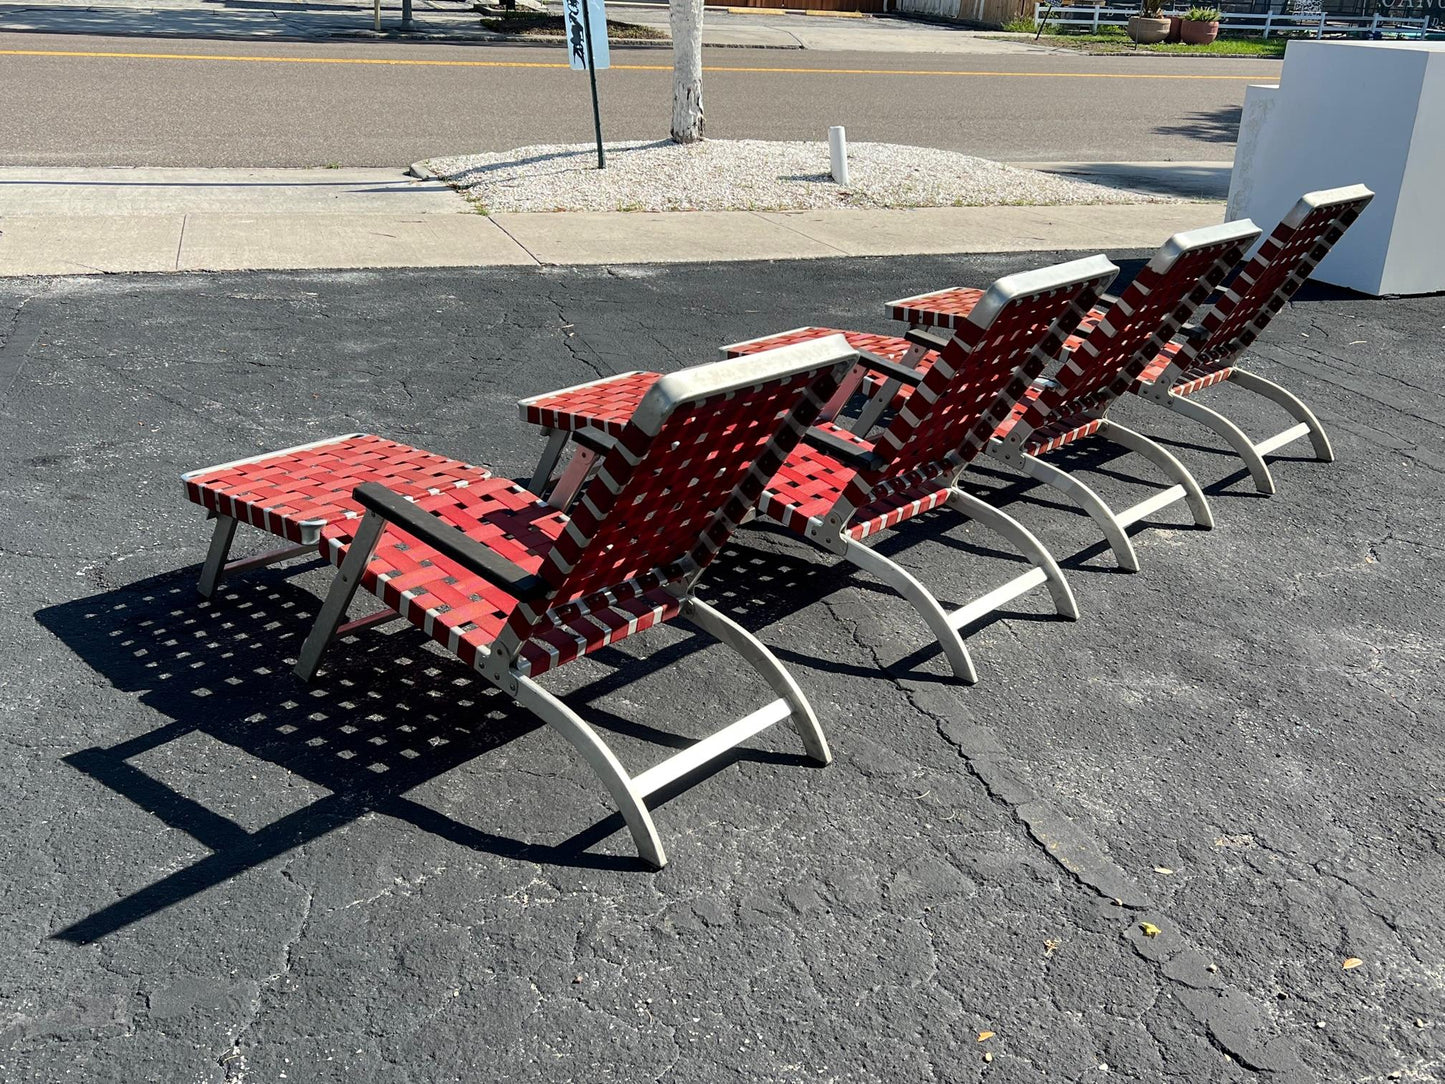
[(534, 24), (1112, 41)]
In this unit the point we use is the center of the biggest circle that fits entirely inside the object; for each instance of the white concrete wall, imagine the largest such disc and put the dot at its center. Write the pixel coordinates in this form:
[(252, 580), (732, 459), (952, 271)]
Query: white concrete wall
[(1343, 113)]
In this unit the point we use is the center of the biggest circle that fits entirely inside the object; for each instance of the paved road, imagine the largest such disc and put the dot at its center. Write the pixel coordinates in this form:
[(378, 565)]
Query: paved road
[(289, 104), (213, 875)]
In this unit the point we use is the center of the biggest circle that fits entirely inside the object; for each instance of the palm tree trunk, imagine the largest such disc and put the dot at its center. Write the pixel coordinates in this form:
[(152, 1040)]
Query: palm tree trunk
[(686, 19)]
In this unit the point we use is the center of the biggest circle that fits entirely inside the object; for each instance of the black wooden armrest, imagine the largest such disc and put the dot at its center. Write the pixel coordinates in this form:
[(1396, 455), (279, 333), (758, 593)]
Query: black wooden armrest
[(450, 542), (595, 440), (1106, 300), (921, 336), (1046, 382), (844, 451), (1195, 333), (893, 370)]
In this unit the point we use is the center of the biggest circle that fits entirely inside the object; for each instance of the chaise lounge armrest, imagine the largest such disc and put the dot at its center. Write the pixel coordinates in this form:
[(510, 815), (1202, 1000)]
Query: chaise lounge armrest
[(451, 542), (594, 440), (920, 336), (893, 370), (844, 451)]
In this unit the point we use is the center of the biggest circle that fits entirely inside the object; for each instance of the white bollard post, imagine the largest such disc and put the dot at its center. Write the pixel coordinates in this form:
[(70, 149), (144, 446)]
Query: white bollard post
[(838, 153)]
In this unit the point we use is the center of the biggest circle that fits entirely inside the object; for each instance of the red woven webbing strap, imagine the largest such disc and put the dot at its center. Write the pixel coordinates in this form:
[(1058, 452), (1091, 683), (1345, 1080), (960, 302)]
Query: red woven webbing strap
[(1264, 285), (293, 492), (660, 507), (604, 404), (1127, 336), (969, 391), (889, 346), (943, 308)]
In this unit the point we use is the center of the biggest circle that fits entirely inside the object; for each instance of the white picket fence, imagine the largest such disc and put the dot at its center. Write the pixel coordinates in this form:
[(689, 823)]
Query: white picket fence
[(1077, 15)]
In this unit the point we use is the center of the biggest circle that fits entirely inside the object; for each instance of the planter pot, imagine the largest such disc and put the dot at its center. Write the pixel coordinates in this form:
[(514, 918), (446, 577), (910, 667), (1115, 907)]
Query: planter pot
[(1175, 22), (1198, 33), (1147, 31)]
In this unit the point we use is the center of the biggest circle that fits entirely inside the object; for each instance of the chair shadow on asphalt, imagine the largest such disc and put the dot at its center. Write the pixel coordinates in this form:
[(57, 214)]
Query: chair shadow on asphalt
[(387, 714)]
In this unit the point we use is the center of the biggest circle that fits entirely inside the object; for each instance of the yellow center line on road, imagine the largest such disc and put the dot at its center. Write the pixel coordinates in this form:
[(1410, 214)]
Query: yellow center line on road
[(400, 63)]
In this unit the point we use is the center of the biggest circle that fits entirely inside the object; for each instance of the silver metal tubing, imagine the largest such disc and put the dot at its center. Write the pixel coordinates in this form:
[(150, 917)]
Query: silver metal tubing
[(934, 615), (215, 564), (1292, 406), (1162, 458), (343, 587), (608, 768), (1024, 541), (755, 653), (556, 441), (1090, 502), (1237, 438)]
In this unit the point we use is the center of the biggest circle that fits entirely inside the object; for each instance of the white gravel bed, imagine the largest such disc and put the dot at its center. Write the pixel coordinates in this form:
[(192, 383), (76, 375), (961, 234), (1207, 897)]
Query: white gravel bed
[(754, 175)]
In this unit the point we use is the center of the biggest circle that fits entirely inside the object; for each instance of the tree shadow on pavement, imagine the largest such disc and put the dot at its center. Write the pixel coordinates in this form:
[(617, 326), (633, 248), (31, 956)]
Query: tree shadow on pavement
[(1211, 126)]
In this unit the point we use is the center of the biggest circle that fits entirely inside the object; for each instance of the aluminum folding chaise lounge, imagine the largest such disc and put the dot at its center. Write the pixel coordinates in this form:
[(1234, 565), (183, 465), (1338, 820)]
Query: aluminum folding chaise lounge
[(1206, 355), (840, 491), (1097, 366), (514, 587)]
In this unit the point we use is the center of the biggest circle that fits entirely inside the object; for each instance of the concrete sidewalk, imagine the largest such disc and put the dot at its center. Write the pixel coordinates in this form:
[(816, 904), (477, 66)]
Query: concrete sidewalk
[(449, 20), (57, 222)]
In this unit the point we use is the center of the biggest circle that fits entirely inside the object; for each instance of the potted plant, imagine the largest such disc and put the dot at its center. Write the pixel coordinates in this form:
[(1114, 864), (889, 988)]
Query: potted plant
[(1149, 27), (1200, 26)]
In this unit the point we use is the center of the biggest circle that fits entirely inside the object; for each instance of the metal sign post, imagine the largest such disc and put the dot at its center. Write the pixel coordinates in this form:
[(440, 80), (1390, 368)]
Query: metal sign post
[(584, 53)]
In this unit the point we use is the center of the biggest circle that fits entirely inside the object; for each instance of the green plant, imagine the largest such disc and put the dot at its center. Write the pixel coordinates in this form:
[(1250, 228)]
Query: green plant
[(1151, 9), (1021, 25), (1202, 15)]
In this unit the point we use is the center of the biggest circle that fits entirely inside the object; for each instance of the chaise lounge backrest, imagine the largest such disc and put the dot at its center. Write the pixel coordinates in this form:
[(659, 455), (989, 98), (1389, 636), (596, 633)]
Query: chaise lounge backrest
[(1281, 266), (1164, 295), (685, 472), (1008, 338)]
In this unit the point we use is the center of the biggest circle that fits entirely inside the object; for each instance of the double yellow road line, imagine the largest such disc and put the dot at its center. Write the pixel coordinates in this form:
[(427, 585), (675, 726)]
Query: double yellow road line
[(432, 63)]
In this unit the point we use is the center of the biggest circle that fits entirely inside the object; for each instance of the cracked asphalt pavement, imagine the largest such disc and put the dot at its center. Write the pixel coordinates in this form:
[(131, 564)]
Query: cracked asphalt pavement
[(216, 874)]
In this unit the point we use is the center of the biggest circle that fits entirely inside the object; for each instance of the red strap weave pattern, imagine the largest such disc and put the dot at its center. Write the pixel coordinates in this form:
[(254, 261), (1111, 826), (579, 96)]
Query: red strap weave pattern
[(1119, 343), (661, 506), (942, 308), (294, 493), (884, 345), (971, 389), (811, 482), (1264, 286), (466, 613), (603, 404)]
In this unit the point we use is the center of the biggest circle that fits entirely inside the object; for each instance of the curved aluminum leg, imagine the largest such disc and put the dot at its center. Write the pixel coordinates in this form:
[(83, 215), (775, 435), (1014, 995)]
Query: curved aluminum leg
[(609, 769), (805, 722), (898, 578), (1237, 438), (1024, 541), (1090, 502), (1162, 458), (1292, 405)]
